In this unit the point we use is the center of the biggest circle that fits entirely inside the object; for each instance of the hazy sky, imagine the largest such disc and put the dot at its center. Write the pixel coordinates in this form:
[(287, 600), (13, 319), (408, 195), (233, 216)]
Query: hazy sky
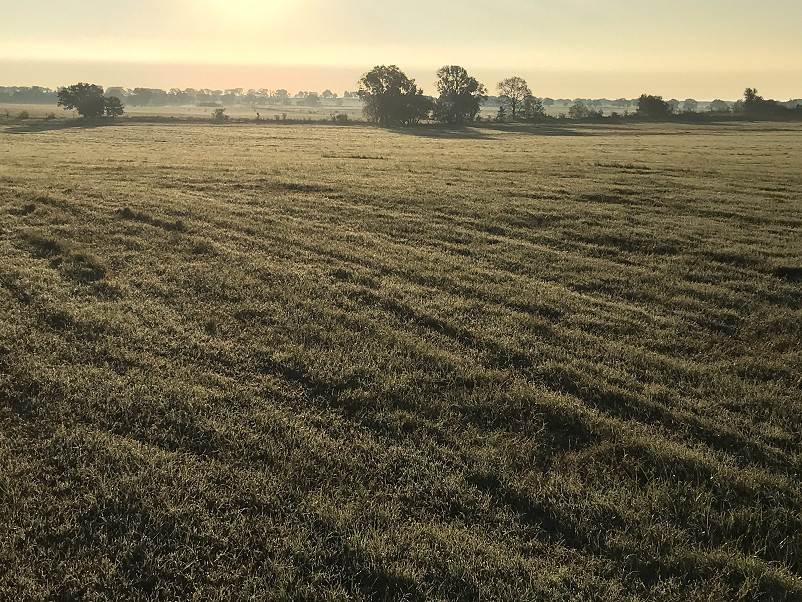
[(564, 48)]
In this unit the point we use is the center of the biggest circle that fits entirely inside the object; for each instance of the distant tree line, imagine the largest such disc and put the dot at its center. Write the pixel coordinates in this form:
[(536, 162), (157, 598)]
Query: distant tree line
[(752, 106), (144, 97), (391, 98), (33, 95)]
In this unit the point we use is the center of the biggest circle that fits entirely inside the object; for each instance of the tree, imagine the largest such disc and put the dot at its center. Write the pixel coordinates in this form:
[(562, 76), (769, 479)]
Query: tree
[(140, 97), (391, 98), (513, 92), (311, 100), (117, 91), (461, 95), (533, 109), (755, 106), (113, 106), (653, 107), (690, 105), (719, 105), (87, 99), (579, 110)]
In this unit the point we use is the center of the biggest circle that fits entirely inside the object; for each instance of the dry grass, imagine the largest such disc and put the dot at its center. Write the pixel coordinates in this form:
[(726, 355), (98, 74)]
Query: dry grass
[(332, 363)]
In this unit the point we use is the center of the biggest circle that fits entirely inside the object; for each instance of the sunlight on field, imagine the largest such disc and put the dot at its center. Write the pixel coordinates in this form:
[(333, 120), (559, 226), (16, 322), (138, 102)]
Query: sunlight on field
[(318, 362)]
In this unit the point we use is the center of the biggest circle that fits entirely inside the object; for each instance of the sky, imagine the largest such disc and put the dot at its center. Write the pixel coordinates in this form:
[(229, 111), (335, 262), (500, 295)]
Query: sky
[(701, 49)]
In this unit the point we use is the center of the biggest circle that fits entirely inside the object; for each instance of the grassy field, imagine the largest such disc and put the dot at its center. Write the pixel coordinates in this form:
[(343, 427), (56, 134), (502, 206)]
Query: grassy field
[(268, 111), (9, 113), (321, 363)]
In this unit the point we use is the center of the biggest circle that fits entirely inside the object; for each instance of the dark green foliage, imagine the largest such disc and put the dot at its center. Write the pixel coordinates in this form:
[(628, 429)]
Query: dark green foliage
[(461, 95), (654, 107), (391, 98), (89, 101), (755, 106), (113, 107)]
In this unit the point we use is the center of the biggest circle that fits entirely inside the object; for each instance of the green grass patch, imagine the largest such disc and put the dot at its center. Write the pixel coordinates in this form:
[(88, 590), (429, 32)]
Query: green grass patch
[(507, 364)]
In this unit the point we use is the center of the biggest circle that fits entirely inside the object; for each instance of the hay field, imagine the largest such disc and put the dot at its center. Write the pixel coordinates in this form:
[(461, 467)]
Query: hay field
[(321, 363)]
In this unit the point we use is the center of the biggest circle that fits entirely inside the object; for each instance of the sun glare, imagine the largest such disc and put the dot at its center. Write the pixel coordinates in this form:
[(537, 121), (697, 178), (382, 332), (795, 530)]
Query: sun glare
[(252, 12)]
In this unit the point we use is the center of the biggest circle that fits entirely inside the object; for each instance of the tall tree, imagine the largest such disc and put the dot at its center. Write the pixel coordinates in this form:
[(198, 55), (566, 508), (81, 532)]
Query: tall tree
[(513, 92), (461, 96), (87, 99), (113, 106), (391, 98)]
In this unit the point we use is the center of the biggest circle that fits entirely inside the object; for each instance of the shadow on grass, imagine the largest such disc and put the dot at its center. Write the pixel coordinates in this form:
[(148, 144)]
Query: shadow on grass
[(47, 125), (488, 131), (443, 132)]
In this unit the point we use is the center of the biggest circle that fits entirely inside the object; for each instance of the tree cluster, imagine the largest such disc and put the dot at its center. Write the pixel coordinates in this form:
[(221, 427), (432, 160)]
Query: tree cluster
[(391, 98), (89, 101), (754, 106), (156, 97), (461, 95)]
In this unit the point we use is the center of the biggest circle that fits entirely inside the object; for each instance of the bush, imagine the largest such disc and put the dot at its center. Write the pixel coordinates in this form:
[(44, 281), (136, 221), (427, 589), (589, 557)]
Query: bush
[(24, 115), (219, 115)]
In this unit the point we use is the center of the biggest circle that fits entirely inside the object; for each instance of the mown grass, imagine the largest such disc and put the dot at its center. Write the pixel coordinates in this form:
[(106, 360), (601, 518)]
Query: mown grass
[(315, 363)]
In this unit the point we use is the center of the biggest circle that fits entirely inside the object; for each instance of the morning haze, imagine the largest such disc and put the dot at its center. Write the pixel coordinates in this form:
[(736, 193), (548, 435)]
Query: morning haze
[(400, 302), (565, 48)]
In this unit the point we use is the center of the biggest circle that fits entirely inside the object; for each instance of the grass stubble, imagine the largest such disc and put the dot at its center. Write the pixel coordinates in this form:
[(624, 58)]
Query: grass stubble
[(321, 363)]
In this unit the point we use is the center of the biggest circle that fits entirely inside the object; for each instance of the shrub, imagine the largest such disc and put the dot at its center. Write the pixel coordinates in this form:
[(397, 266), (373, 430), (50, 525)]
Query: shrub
[(219, 115)]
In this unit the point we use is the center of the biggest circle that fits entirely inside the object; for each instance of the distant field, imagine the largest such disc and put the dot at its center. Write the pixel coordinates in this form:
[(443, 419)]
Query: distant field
[(312, 362), (352, 108), (268, 111)]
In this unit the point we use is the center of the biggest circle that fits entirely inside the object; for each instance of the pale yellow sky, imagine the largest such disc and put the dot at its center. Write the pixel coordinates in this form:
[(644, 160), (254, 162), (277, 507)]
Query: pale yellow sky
[(564, 48)]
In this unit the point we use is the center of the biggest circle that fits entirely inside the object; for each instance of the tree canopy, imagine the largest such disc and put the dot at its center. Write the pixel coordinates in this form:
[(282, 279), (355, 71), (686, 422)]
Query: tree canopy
[(461, 95), (654, 107), (391, 98), (513, 92), (89, 101), (757, 107)]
